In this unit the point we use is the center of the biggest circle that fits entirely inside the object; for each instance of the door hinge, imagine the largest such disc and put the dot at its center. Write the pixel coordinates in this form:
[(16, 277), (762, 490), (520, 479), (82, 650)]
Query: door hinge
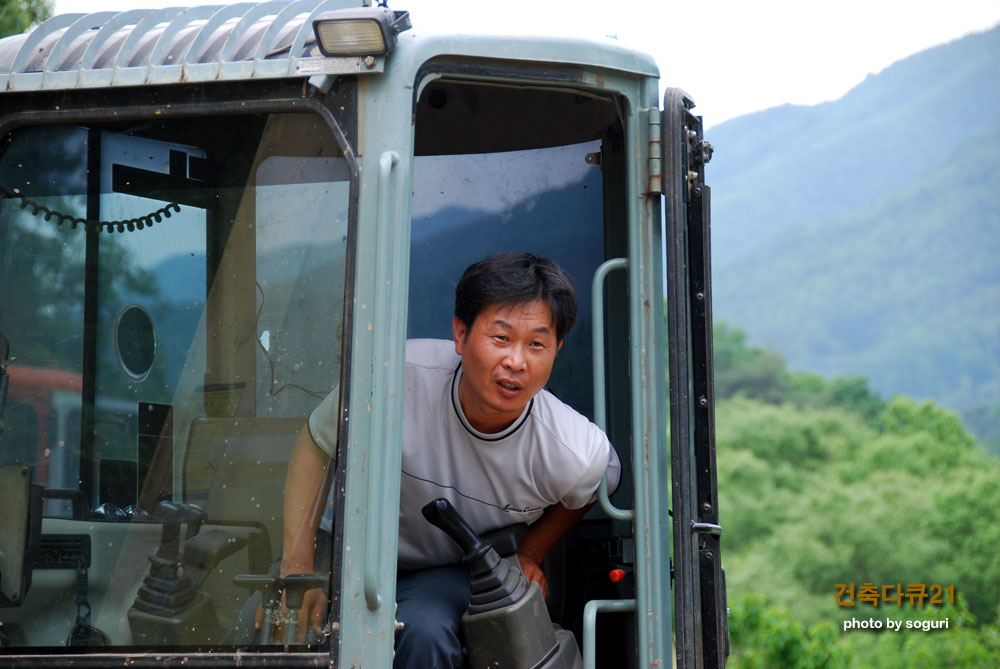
[(699, 153), (655, 186)]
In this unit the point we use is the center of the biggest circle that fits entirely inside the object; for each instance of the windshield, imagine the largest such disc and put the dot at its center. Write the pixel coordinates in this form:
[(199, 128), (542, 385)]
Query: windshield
[(173, 294)]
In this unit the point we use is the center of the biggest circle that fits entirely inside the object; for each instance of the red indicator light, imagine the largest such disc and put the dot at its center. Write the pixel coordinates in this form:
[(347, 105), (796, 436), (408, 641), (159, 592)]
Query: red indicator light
[(616, 575)]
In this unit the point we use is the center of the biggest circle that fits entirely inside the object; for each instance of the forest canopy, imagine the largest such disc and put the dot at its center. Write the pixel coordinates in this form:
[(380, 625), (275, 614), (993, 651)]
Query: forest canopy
[(823, 482)]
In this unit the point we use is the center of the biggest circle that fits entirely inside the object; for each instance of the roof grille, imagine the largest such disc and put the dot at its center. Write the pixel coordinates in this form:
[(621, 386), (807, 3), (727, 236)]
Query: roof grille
[(162, 46)]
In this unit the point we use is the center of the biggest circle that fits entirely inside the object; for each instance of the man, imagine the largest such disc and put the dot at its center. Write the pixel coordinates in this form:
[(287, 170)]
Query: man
[(480, 430)]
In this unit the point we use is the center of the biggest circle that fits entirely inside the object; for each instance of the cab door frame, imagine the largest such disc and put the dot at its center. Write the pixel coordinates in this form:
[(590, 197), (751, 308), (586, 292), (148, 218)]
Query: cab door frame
[(701, 624), (386, 149)]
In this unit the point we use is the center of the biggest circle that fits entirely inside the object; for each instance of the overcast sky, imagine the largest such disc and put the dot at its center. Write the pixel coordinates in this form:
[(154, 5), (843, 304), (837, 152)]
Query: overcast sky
[(732, 56)]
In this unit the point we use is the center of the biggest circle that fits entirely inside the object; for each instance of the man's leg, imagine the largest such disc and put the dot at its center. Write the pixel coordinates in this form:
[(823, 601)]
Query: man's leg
[(431, 603)]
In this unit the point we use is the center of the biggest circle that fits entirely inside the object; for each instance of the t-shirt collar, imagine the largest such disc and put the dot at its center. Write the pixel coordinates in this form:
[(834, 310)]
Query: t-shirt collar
[(493, 436)]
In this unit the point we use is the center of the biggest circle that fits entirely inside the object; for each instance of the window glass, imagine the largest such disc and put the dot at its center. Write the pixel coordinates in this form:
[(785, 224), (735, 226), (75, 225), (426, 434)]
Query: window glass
[(468, 206), (173, 293)]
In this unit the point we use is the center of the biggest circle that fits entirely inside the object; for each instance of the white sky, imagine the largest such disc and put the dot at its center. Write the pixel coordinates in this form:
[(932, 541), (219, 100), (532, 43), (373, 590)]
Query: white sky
[(732, 56)]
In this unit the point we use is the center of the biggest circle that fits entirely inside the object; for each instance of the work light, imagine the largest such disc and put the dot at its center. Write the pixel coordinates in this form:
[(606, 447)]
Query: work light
[(366, 31)]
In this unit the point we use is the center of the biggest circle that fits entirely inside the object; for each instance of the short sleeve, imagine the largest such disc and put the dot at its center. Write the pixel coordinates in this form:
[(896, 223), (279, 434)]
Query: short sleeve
[(614, 470), (323, 422), (585, 491)]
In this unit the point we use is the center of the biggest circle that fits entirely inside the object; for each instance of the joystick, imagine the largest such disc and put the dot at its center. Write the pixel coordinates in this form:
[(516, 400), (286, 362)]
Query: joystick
[(506, 624), (168, 608)]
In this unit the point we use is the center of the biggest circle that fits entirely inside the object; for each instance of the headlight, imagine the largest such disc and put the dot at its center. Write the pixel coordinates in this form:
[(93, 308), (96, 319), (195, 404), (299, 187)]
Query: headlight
[(367, 31)]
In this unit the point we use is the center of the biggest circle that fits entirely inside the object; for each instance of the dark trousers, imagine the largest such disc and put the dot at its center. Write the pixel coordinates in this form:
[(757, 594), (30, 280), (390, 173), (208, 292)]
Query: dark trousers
[(431, 603)]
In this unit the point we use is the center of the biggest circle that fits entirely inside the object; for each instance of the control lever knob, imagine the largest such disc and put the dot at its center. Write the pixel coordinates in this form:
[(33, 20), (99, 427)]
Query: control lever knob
[(296, 586), (267, 585), (174, 512), (479, 555), (443, 515)]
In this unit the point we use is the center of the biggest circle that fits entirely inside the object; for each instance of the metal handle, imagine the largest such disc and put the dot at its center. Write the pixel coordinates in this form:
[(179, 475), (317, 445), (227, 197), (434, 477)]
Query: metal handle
[(706, 528), (377, 446), (291, 626), (600, 413), (590, 623)]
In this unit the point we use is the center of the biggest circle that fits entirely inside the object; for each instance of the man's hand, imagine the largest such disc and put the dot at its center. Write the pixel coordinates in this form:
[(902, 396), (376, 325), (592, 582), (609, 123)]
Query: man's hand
[(303, 507), (313, 609), (531, 565), (541, 535)]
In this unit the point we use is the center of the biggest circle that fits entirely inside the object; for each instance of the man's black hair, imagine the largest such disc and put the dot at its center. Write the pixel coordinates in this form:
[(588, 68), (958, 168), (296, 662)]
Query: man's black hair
[(516, 278)]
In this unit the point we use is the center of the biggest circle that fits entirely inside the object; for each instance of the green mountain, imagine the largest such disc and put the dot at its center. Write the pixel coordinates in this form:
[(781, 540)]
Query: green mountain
[(862, 236), (790, 166)]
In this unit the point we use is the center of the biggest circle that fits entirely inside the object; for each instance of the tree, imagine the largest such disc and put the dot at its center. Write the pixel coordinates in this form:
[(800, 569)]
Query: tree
[(984, 421), (741, 369), (767, 636), (824, 482), (16, 16), (756, 373)]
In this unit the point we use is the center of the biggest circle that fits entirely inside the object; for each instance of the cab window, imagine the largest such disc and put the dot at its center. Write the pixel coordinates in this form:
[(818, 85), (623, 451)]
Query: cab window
[(173, 294)]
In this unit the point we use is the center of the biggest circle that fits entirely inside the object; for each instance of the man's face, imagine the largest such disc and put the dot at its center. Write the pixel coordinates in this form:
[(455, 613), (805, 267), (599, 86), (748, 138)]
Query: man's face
[(507, 357)]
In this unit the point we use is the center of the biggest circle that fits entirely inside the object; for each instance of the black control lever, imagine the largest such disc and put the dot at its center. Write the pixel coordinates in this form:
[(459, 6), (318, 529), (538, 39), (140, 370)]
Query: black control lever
[(175, 512), (166, 586), (494, 582), (506, 624), (180, 513), (443, 515)]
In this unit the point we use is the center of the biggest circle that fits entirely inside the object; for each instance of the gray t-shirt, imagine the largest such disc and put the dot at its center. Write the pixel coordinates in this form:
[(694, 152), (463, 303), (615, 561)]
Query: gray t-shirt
[(550, 454)]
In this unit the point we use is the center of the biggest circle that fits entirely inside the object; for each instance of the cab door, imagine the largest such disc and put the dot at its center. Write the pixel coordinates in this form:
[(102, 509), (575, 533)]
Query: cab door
[(701, 625)]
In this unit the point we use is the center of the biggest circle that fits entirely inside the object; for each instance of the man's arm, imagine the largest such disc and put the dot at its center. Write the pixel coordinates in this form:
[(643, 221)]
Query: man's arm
[(541, 535), (306, 471)]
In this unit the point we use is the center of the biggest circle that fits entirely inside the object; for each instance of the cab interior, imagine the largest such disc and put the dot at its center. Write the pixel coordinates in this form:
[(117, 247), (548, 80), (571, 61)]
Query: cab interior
[(536, 167)]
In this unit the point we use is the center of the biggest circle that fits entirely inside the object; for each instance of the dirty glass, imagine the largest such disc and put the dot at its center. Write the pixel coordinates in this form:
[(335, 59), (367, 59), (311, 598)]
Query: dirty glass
[(173, 294)]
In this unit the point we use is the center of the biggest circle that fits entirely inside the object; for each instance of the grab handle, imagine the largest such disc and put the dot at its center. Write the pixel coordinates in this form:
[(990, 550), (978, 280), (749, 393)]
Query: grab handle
[(377, 446), (600, 412)]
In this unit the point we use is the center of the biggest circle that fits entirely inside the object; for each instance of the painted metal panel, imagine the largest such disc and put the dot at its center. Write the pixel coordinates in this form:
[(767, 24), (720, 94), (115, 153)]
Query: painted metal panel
[(207, 43), (225, 36), (366, 636)]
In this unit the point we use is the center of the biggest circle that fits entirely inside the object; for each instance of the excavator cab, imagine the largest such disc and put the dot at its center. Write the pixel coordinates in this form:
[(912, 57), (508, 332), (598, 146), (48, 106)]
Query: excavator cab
[(214, 218)]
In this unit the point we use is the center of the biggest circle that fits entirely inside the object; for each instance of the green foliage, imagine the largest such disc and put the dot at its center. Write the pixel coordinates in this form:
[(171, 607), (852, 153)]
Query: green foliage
[(754, 372), (832, 499), (850, 393), (829, 484), (746, 370), (963, 644), (859, 237), (968, 522), (904, 417), (16, 16), (766, 636), (984, 421)]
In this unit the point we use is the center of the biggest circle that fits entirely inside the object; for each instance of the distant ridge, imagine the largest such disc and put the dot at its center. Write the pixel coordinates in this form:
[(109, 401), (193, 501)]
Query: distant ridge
[(862, 236), (793, 165)]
